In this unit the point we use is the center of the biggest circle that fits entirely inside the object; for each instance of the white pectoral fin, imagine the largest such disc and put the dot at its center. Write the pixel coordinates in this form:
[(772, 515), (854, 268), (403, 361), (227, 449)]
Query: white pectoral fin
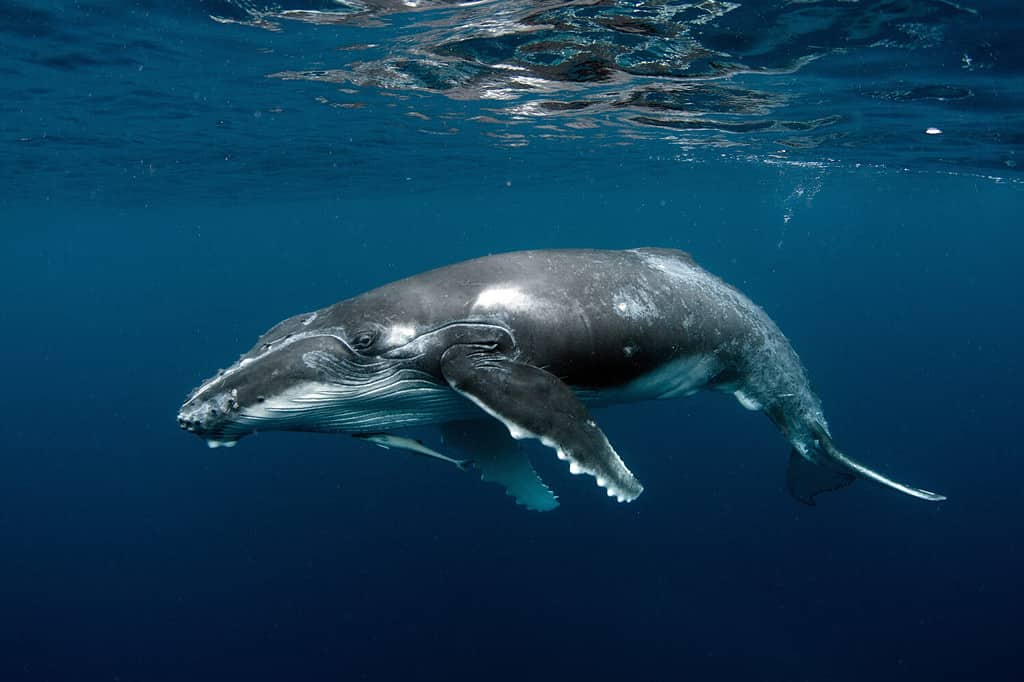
[(501, 460), (388, 441), (533, 403)]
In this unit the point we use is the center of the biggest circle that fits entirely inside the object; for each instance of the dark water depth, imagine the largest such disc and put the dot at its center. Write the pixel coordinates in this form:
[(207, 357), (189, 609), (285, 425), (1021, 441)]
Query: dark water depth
[(175, 178)]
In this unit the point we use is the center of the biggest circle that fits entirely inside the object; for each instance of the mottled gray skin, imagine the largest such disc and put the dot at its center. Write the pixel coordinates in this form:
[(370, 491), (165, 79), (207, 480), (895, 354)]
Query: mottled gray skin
[(612, 325), (571, 326)]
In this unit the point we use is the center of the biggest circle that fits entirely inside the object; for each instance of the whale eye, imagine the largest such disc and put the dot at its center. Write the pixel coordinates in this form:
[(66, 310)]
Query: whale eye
[(363, 340)]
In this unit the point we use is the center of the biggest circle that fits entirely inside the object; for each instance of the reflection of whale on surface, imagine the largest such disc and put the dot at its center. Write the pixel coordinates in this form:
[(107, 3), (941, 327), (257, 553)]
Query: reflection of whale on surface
[(525, 340)]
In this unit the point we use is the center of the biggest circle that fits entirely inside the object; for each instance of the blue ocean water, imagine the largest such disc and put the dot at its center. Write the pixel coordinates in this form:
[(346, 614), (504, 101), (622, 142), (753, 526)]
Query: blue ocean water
[(178, 177)]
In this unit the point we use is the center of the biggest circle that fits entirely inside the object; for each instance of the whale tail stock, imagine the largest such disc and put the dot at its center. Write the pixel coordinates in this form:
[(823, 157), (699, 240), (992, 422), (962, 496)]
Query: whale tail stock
[(826, 468)]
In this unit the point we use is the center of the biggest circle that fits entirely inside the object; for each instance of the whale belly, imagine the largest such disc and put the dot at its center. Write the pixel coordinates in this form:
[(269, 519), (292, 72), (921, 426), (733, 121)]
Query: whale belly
[(679, 377)]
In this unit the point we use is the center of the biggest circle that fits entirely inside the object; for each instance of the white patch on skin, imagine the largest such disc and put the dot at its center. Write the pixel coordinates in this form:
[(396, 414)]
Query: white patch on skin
[(771, 365), (680, 377), (273, 347), (634, 305), (309, 320), (509, 298), (388, 441), (391, 402), (669, 265), (630, 350), (518, 433), (514, 430), (400, 334), (575, 467), (746, 401)]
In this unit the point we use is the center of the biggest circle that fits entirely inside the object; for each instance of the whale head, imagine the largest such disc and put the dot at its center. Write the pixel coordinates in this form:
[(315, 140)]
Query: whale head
[(301, 376)]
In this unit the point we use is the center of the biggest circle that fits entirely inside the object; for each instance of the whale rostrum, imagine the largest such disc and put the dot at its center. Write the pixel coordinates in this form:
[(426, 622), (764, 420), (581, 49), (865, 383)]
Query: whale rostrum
[(519, 346)]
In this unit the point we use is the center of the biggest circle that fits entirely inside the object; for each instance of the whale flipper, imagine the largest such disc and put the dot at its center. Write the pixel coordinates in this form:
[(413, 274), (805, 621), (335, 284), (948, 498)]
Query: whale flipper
[(388, 441), (533, 403), (854, 467), (500, 460), (806, 478)]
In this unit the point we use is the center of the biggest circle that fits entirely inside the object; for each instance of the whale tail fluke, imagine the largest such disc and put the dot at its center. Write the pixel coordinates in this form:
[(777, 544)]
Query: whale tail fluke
[(806, 478), (829, 469)]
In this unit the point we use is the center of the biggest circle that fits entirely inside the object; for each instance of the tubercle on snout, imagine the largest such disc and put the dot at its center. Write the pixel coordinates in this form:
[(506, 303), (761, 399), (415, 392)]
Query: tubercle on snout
[(198, 416)]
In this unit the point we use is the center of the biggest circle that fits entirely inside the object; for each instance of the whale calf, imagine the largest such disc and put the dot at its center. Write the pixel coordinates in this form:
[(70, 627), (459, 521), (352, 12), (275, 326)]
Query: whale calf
[(517, 346)]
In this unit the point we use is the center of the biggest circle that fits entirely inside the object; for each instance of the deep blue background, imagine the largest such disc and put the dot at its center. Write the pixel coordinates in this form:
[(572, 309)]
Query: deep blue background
[(163, 202), (131, 551)]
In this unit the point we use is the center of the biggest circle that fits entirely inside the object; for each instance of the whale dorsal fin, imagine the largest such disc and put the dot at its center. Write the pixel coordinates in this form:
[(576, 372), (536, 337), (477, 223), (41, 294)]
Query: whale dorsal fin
[(669, 253), (500, 460), (533, 403)]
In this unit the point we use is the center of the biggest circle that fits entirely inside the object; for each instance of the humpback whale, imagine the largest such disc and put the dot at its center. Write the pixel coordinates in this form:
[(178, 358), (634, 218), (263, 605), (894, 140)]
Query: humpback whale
[(518, 346)]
